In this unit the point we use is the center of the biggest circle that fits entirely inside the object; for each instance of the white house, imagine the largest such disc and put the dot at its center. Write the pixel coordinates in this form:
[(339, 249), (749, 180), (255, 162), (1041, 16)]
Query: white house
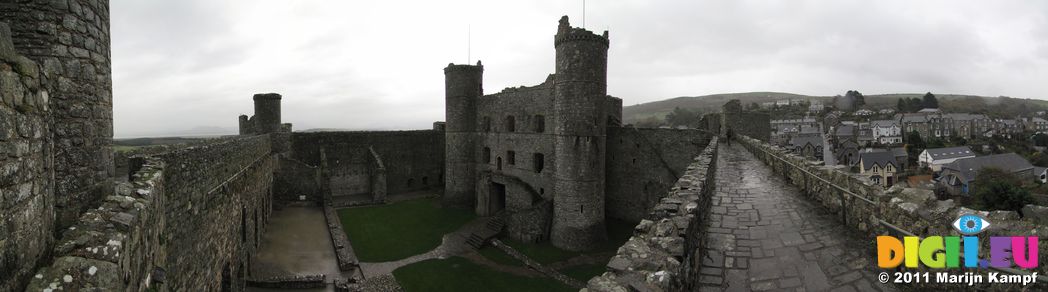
[(936, 158), (886, 132)]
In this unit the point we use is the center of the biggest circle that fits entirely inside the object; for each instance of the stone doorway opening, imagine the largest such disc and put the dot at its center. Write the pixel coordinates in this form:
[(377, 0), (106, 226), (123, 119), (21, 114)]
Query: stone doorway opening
[(497, 201)]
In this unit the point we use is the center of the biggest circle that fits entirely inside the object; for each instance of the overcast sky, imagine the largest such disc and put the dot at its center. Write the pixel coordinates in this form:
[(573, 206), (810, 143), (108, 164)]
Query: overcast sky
[(180, 65)]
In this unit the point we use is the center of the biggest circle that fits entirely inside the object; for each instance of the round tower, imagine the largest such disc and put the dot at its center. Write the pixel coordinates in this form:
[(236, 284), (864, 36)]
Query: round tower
[(463, 84), (579, 115), (70, 41), (267, 112)]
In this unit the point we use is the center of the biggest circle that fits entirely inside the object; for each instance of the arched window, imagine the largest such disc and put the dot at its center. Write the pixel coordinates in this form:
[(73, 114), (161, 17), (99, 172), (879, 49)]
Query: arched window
[(539, 162), (511, 124), (539, 124), (411, 182), (486, 155)]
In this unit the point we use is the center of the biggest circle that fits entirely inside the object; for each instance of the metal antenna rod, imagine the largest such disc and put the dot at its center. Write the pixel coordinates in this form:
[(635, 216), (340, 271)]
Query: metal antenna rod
[(469, 44)]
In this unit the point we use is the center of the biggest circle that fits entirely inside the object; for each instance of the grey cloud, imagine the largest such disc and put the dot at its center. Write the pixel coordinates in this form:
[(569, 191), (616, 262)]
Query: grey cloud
[(377, 65)]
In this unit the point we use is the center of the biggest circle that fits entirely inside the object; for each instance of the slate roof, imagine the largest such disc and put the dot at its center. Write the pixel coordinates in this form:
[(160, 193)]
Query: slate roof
[(951, 152), (969, 167), (883, 123), (816, 141), (913, 118), (899, 151), (882, 158), (964, 116), (845, 130)]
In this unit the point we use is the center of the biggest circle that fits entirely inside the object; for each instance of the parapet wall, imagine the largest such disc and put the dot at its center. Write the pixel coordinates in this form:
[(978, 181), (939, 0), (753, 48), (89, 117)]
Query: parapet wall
[(119, 246), (413, 160), (870, 210), (187, 222), (665, 251), (643, 164)]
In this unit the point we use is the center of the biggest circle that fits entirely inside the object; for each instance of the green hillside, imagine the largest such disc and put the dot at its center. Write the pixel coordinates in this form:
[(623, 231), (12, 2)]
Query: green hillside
[(995, 106)]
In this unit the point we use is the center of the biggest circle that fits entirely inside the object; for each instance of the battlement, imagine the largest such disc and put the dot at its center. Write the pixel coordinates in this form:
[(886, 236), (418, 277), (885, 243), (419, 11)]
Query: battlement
[(267, 96), (566, 33), (464, 68)]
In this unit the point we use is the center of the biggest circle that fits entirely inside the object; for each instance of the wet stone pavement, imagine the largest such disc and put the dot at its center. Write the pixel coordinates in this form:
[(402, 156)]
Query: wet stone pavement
[(765, 235)]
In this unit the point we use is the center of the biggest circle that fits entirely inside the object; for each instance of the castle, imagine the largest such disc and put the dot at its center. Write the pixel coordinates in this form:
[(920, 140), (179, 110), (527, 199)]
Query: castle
[(553, 159), (502, 154)]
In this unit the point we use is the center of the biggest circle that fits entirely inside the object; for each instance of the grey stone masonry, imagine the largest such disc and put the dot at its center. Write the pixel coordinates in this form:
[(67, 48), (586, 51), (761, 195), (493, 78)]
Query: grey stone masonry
[(871, 210), (70, 41), (667, 248), (117, 246), (27, 197), (764, 234)]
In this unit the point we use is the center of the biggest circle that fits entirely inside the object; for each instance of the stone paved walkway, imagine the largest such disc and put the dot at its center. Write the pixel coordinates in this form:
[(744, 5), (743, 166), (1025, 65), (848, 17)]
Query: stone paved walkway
[(764, 235)]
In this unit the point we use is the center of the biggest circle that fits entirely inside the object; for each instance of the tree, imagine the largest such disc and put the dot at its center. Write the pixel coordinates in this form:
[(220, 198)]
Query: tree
[(901, 106), (996, 189), (683, 117), (753, 106), (733, 106), (857, 97), (649, 122), (1040, 139), (914, 146), (930, 101), (914, 104)]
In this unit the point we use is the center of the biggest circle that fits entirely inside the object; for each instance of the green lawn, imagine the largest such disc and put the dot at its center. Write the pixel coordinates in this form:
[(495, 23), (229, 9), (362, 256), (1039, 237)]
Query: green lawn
[(459, 274), (399, 230), (545, 253), (121, 148)]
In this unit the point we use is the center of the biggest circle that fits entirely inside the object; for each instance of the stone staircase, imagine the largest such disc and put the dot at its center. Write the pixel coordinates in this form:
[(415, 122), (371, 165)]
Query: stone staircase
[(492, 228)]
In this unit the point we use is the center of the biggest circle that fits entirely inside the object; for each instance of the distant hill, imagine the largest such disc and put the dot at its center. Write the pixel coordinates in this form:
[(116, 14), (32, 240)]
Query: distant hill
[(997, 106)]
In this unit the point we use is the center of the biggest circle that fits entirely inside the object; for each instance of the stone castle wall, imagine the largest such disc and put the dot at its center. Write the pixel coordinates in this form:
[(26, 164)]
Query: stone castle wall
[(219, 197), (187, 220), (665, 251), (70, 40), (26, 167), (413, 160), (873, 211), (643, 164)]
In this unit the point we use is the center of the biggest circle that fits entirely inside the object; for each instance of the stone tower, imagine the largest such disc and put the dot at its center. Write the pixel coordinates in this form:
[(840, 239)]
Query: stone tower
[(71, 142), (267, 112), (70, 40), (579, 118), (463, 84)]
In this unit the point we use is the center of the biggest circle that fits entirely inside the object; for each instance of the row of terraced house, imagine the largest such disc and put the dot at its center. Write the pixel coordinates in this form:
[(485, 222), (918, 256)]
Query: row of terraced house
[(932, 123)]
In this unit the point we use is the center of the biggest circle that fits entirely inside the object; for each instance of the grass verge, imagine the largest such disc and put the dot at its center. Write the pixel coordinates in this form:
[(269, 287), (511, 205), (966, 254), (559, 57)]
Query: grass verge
[(399, 230), (459, 274)]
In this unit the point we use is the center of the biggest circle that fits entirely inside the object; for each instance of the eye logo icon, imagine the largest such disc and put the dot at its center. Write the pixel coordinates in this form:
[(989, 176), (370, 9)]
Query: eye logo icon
[(970, 224)]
